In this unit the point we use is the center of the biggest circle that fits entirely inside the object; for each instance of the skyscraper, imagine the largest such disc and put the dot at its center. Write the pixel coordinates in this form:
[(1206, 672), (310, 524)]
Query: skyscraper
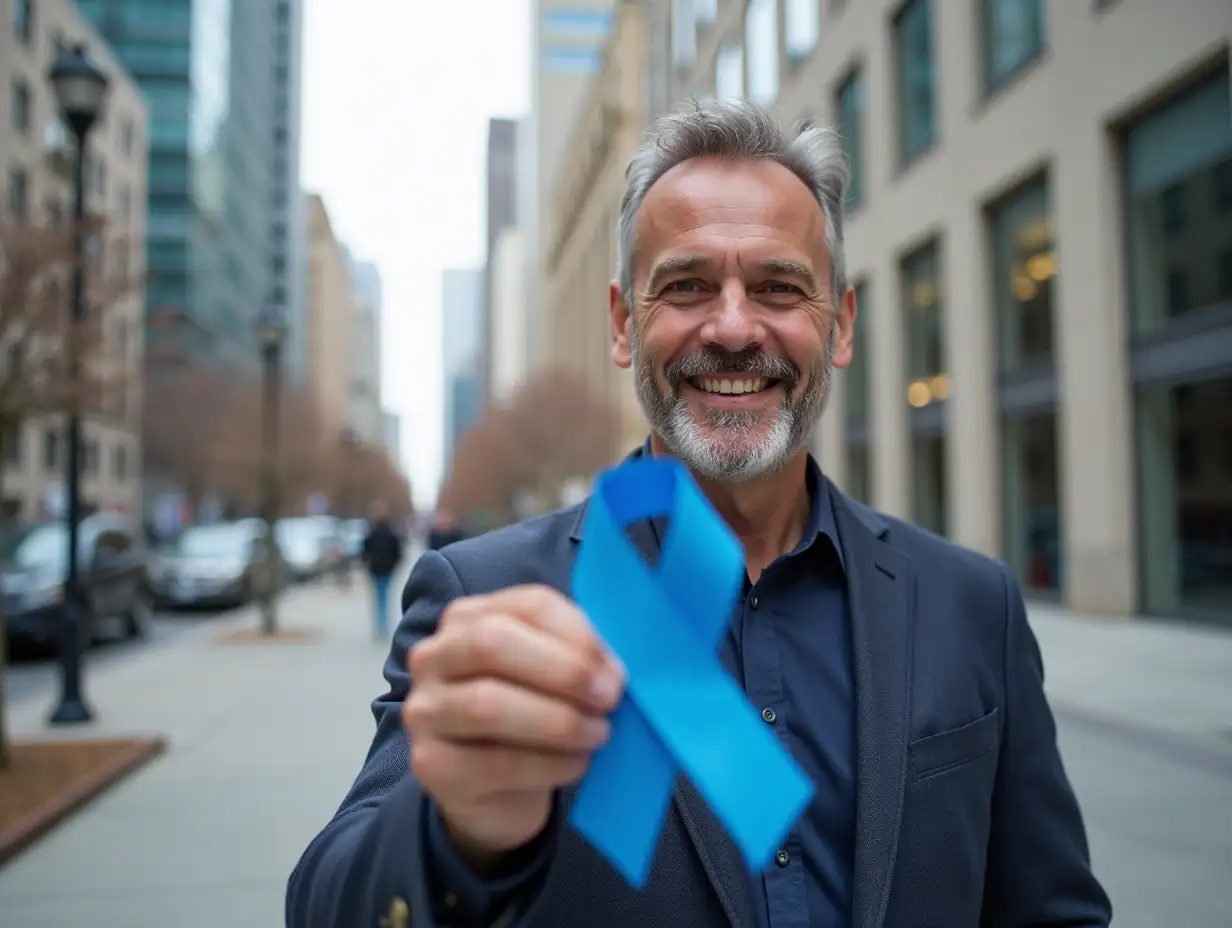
[(464, 337), (502, 214), (207, 68)]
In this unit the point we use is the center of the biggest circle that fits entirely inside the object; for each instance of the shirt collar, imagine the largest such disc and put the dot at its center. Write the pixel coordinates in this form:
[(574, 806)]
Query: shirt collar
[(821, 520)]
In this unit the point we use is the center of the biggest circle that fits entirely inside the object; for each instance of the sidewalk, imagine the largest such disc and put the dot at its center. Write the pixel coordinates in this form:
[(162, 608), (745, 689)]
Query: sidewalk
[(264, 740)]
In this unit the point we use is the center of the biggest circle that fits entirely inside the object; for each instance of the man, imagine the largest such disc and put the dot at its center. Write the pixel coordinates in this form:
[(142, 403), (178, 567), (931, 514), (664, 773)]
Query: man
[(445, 530), (898, 669), (381, 554)]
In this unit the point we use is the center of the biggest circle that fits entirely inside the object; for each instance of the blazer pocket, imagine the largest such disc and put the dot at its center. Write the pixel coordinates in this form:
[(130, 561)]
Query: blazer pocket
[(948, 749)]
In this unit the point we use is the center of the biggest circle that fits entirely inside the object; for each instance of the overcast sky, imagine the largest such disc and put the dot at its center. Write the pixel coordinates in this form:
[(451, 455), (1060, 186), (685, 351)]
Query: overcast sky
[(397, 95)]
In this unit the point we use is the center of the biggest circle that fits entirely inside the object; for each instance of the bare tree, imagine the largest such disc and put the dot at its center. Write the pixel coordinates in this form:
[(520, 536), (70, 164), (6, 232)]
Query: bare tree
[(41, 345)]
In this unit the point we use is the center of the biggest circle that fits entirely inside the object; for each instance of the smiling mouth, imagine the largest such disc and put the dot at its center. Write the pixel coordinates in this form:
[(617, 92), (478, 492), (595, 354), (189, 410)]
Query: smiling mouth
[(732, 386)]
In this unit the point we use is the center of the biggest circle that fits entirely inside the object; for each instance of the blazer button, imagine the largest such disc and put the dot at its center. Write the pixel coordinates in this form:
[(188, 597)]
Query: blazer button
[(768, 715), (754, 602), (782, 858)]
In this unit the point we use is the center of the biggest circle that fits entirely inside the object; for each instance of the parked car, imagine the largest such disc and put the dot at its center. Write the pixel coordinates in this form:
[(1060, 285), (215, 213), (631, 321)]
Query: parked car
[(354, 531), (307, 546), (220, 565), (112, 565)]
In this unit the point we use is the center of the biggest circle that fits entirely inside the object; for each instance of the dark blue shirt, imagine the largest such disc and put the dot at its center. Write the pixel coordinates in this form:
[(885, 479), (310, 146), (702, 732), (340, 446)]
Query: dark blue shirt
[(790, 648)]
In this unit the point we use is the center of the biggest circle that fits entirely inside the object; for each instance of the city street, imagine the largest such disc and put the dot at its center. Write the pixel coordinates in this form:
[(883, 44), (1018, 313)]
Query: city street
[(265, 739)]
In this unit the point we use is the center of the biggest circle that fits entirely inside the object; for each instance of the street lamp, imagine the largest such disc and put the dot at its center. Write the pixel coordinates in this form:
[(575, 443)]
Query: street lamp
[(271, 329), (81, 90)]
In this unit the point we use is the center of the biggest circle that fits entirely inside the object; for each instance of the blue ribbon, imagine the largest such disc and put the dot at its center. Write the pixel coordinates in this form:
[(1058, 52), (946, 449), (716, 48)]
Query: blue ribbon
[(681, 710)]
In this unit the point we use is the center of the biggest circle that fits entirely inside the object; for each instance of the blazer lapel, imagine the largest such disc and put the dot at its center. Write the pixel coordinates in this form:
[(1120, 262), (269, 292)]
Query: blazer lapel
[(879, 589)]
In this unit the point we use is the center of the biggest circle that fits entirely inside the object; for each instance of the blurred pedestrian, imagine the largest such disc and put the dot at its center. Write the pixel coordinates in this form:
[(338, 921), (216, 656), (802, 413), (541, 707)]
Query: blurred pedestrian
[(382, 553), (445, 530)]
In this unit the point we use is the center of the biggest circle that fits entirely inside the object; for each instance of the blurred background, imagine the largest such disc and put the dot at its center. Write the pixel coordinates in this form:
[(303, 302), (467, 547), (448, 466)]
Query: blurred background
[(332, 254)]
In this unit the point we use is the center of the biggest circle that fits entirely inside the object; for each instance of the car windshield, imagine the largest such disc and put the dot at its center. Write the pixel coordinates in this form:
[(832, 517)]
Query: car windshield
[(43, 545), (211, 541)]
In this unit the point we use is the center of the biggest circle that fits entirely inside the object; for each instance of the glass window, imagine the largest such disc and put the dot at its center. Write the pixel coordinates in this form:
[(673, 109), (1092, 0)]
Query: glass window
[(859, 472), (705, 12), (23, 20), (1185, 491), (1031, 522), (119, 462), (857, 391), (573, 60), (684, 34), (579, 24), (1176, 161), (729, 72), (925, 341), (802, 25), (1013, 36), (19, 194), (19, 106), (913, 50), (851, 127), (928, 479), (762, 38), (1024, 275), (51, 450)]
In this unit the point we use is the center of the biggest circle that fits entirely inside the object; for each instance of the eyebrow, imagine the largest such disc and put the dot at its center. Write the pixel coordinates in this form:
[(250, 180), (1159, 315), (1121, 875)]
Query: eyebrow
[(681, 264)]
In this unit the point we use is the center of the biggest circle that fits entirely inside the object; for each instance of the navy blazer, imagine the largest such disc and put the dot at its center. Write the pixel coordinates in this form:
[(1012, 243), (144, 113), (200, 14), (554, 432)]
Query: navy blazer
[(964, 813)]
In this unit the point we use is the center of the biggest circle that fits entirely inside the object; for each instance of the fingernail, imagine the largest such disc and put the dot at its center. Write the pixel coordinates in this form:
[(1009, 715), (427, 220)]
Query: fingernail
[(606, 687), (595, 731)]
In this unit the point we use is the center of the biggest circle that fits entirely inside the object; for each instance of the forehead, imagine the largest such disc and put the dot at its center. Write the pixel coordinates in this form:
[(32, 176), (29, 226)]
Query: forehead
[(722, 202)]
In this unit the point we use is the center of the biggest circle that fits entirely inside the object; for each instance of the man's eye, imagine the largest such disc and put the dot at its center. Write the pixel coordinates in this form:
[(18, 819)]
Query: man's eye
[(781, 288), (683, 286)]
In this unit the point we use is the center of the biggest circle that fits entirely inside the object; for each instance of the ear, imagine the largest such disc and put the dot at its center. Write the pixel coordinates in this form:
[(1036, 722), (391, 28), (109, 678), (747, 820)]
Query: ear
[(621, 325), (845, 324)]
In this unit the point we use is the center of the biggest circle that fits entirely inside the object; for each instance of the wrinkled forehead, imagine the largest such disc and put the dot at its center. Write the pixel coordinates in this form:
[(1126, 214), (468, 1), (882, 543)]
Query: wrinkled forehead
[(720, 203)]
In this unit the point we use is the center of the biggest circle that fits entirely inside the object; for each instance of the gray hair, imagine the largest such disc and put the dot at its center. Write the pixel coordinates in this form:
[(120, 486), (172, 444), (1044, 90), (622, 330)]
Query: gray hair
[(736, 130)]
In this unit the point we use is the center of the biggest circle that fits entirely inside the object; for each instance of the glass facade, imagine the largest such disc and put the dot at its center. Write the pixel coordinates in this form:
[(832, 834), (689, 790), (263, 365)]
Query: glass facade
[(801, 27), (856, 401), (1179, 189), (204, 68), (927, 381), (1013, 33), (729, 72), (1031, 496), (928, 483), (1024, 277), (850, 108), (761, 30), (916, 82)]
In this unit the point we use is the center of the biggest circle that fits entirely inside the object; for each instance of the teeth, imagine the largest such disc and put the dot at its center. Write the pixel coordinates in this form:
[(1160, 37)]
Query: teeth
[(748, 385)]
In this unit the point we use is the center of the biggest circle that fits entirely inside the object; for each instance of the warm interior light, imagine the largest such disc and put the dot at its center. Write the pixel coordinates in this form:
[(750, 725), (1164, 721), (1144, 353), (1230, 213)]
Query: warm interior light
[(1042, 267), (918, 394), (939, 387)]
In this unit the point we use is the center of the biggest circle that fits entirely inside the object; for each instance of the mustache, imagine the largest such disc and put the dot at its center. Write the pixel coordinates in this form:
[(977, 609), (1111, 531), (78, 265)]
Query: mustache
[(711, 361)]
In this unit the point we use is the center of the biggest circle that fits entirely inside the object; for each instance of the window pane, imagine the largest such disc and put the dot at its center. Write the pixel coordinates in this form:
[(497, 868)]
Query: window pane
[(859, 475), (857, 371), (1013, 35), (684, 34), (914, 52), (1185, 486), (1024, 275), (761, 34), (921, 285), (729, 72), (928, 483), (1177, 163), (801, 22), (1032, 509), (851, 128)]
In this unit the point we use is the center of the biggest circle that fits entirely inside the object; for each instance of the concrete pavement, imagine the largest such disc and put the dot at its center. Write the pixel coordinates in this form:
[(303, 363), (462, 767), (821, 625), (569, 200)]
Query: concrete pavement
[(265, 740)]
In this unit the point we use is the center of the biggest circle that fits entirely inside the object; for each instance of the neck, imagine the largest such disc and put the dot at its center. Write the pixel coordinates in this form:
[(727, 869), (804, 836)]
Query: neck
[(767, 513)]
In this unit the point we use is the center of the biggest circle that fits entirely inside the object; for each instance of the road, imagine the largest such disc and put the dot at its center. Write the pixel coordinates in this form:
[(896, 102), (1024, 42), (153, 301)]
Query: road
[(35, 677)]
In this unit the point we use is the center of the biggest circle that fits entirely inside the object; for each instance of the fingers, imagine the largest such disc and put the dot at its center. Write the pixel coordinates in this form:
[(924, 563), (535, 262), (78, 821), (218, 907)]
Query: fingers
[(492, 710), (472, 770), (539, 606)]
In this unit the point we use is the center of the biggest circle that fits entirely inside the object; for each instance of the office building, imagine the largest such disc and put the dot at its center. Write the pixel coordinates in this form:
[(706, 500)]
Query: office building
[(393, 439), (464, 334), (206, 70), (288, 237), (502, 214), (1040, 236), (331, 323), (36, 160), (367, 419), (509, 355)]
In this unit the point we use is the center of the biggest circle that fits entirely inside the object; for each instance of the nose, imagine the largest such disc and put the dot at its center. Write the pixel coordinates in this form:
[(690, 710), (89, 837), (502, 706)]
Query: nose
[(732, 323)]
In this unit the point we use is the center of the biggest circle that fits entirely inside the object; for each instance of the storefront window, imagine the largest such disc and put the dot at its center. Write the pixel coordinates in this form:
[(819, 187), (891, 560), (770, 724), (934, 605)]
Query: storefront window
[(928, 477), (1024, 277), (1032, 502)]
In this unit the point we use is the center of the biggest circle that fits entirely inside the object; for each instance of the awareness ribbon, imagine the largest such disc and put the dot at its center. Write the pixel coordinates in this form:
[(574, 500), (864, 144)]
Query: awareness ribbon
[(681, 710)]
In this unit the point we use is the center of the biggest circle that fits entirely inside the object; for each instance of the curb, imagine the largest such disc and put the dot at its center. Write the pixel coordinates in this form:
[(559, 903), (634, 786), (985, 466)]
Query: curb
[(42, 819)]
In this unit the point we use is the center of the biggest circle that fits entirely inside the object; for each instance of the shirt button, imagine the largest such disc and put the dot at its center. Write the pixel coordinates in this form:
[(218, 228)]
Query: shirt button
[(782, 858), (754, 601), (769, 715)]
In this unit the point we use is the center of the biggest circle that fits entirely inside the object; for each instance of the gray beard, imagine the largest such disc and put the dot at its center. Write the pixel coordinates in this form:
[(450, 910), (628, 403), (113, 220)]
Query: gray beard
[(732, 445)]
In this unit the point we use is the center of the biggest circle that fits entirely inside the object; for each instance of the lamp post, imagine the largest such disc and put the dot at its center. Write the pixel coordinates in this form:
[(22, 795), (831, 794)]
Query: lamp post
[(271, 328), (80, 90)]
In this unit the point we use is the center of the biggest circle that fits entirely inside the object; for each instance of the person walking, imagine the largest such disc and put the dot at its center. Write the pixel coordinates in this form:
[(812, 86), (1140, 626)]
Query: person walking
[(382, 553)]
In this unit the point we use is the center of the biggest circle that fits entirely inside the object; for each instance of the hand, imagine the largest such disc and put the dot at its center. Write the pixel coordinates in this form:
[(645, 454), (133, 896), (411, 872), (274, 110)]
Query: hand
[(509, 699)]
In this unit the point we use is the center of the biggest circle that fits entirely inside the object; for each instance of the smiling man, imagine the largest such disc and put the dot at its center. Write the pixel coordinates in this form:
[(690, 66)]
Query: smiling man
[(898, 669)]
